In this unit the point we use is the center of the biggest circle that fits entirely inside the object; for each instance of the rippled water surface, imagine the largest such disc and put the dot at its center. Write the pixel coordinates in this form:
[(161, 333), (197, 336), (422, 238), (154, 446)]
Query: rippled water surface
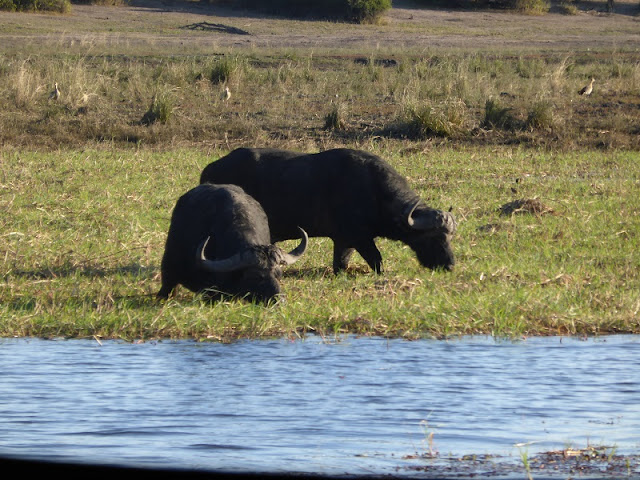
[(357, 405)]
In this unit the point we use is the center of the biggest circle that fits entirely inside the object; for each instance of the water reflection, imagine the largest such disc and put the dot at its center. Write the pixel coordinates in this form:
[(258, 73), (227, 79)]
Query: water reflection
[(357, 406)]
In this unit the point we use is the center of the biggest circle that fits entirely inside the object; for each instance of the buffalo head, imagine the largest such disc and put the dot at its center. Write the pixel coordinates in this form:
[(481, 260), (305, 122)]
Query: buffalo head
[(430, 236), (255, 271)]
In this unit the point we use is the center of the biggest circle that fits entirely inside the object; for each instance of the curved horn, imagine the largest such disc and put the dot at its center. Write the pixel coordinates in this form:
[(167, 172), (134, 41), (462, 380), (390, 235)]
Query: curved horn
[(295, 254), (439, 220), (234, 262)]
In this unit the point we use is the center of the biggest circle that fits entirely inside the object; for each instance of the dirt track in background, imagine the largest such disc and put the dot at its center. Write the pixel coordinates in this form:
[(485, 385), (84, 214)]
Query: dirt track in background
[(194, 28)]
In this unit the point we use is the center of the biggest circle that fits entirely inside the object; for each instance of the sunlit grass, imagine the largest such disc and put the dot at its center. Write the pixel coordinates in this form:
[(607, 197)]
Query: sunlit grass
[(84, 234)]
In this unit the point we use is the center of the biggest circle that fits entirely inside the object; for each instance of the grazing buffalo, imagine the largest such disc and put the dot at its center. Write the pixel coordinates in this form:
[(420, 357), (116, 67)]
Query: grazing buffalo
[(347, 195), (219, 243)]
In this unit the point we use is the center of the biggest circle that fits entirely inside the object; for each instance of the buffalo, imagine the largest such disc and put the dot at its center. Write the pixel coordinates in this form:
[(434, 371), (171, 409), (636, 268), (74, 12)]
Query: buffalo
[(219, 244), (350, 196)]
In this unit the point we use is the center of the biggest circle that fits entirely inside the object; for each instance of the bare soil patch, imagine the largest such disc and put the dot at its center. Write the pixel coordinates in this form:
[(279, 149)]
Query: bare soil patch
[(532, 206)]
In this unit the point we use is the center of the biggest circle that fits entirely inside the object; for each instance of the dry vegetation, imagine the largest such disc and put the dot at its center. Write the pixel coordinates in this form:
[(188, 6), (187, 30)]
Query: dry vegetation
[(309, 102)]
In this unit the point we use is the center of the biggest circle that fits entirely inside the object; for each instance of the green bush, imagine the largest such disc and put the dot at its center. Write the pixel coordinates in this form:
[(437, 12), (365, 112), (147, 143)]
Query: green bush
[(60, 6), (7, 5), (367, 10)]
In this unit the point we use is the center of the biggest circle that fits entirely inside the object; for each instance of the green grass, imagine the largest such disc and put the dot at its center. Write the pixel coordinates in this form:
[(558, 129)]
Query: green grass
[(84, 232)]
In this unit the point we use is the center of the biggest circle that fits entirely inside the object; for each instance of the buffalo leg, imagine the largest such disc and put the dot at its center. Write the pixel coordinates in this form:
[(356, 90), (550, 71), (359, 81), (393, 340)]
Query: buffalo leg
[(166, 288), (368, 251), (371, 254), (341, 256)]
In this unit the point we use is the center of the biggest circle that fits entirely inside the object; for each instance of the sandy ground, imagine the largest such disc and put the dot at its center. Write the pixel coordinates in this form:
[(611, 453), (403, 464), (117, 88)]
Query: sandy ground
[(193, 27)]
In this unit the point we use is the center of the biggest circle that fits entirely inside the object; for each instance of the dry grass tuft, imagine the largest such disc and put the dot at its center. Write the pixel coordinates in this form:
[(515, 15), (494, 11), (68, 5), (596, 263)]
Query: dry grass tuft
[(334, 120)]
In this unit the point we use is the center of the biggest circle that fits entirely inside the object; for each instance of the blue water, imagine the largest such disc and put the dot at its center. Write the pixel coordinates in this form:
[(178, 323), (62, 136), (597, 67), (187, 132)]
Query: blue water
[(349, 405)]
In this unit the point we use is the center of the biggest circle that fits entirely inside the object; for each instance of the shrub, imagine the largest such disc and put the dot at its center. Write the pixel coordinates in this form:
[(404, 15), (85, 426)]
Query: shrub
[(367, 10), (496, 116), (7, 5), (60, 6), (160, 110), (443, 120), (223, 70), (535, 7), (540, 115), (568, 7), (334, 119)]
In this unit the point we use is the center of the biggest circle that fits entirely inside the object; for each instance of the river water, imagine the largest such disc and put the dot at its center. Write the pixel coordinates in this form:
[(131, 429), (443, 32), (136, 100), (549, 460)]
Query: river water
[(345, 405)]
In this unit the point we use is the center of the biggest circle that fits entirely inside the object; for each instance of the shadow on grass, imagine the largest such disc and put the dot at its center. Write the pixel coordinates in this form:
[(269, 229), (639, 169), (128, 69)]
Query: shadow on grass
[(597, 7), (33, 305), (308, 272), (303, 12), (89, 271), (315, 273)]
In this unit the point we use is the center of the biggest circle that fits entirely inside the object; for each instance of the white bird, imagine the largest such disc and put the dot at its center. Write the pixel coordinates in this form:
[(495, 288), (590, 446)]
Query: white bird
[(226, 94), (55, 95), (588, 89)]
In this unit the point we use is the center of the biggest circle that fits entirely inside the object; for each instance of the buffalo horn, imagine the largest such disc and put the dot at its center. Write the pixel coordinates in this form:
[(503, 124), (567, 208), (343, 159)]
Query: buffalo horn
[(234, 262), (440, 220), (295, 254)]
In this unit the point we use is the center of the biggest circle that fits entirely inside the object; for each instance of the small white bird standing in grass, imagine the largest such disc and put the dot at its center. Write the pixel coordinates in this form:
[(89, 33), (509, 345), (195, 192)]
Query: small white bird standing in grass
[(55, 95), (588, 89), (226, 94)]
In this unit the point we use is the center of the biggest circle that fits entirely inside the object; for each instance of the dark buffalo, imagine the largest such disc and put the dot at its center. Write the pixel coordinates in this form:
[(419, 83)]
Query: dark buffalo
[(348, 195), (219, 243)]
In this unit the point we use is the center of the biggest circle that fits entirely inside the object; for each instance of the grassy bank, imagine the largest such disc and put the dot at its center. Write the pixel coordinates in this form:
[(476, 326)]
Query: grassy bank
[(83, 233)]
